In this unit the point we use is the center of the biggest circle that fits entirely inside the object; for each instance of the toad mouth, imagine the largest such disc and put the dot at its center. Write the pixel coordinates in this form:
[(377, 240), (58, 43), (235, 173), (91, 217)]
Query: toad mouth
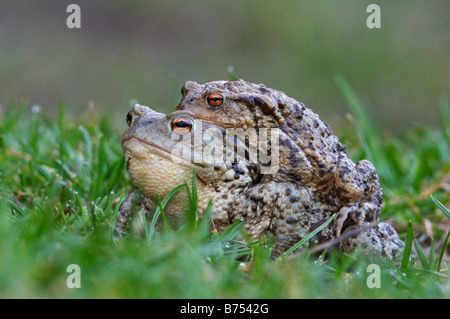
[(152, 148)]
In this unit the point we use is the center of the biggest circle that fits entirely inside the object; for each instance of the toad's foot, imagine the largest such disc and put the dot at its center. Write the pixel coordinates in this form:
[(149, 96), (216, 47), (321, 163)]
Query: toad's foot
[(358, 213)]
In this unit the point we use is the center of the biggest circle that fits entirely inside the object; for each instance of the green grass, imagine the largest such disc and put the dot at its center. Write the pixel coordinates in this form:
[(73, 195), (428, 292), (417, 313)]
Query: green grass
[(61, 184)]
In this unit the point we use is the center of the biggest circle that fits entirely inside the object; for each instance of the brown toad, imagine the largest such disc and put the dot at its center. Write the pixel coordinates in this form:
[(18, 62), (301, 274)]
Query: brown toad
[(259, 156)]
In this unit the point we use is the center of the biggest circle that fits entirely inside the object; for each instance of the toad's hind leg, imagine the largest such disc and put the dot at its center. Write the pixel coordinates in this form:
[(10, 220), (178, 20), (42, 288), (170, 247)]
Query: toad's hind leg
[(360, 193), (381, 239)]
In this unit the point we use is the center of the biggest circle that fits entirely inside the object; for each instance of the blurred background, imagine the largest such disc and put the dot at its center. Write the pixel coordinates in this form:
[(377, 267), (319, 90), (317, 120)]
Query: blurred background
[(145, 50)]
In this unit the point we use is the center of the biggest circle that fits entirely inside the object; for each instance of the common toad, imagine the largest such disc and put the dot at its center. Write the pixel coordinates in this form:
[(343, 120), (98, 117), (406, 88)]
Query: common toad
[(259, 156)]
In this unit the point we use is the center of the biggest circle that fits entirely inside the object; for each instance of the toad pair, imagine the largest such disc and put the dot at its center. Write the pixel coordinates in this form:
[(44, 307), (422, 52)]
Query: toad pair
[(314, 177)]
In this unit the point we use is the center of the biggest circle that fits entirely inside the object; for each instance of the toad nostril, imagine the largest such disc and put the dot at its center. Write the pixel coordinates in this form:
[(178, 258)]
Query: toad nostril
[(145, 122)]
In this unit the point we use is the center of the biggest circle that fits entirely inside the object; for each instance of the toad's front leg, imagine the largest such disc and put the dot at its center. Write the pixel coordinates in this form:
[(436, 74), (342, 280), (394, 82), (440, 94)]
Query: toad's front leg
[(128, 207)]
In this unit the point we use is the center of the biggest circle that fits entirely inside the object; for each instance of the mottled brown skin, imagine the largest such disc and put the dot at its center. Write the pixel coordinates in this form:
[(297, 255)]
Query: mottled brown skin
[(315, 178)]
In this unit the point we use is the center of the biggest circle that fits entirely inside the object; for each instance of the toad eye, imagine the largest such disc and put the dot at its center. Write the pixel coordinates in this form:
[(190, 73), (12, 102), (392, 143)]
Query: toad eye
[(215, 100), (181, 125), (129, 118)]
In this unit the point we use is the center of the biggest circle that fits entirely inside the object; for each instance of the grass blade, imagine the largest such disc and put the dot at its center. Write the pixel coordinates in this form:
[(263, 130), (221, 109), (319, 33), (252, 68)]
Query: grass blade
[(400, 276), (194, 195), (60, 210), (441, 206), (98, 174), (144, 226), (230, 232), (421, 255), (87, 141), (446, 213), (192, 199), (232, 73), (160, 208), (367, 133), (306, 238), (441, 255), (408, 247), (16, 208), (205, 222), (115, 176), (363, 124), (432, 260)]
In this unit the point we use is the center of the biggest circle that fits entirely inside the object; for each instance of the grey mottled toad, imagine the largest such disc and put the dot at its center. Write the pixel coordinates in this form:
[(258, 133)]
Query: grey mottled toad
[(284, 174)]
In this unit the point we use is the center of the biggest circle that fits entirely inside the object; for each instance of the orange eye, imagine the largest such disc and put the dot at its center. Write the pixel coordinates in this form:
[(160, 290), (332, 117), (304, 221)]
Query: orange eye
[(215, 100), (129, 118), (182, 125)]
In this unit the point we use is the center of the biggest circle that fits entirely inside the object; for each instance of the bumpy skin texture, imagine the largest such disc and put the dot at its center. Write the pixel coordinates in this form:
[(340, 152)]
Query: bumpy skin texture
[(314, 179)]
